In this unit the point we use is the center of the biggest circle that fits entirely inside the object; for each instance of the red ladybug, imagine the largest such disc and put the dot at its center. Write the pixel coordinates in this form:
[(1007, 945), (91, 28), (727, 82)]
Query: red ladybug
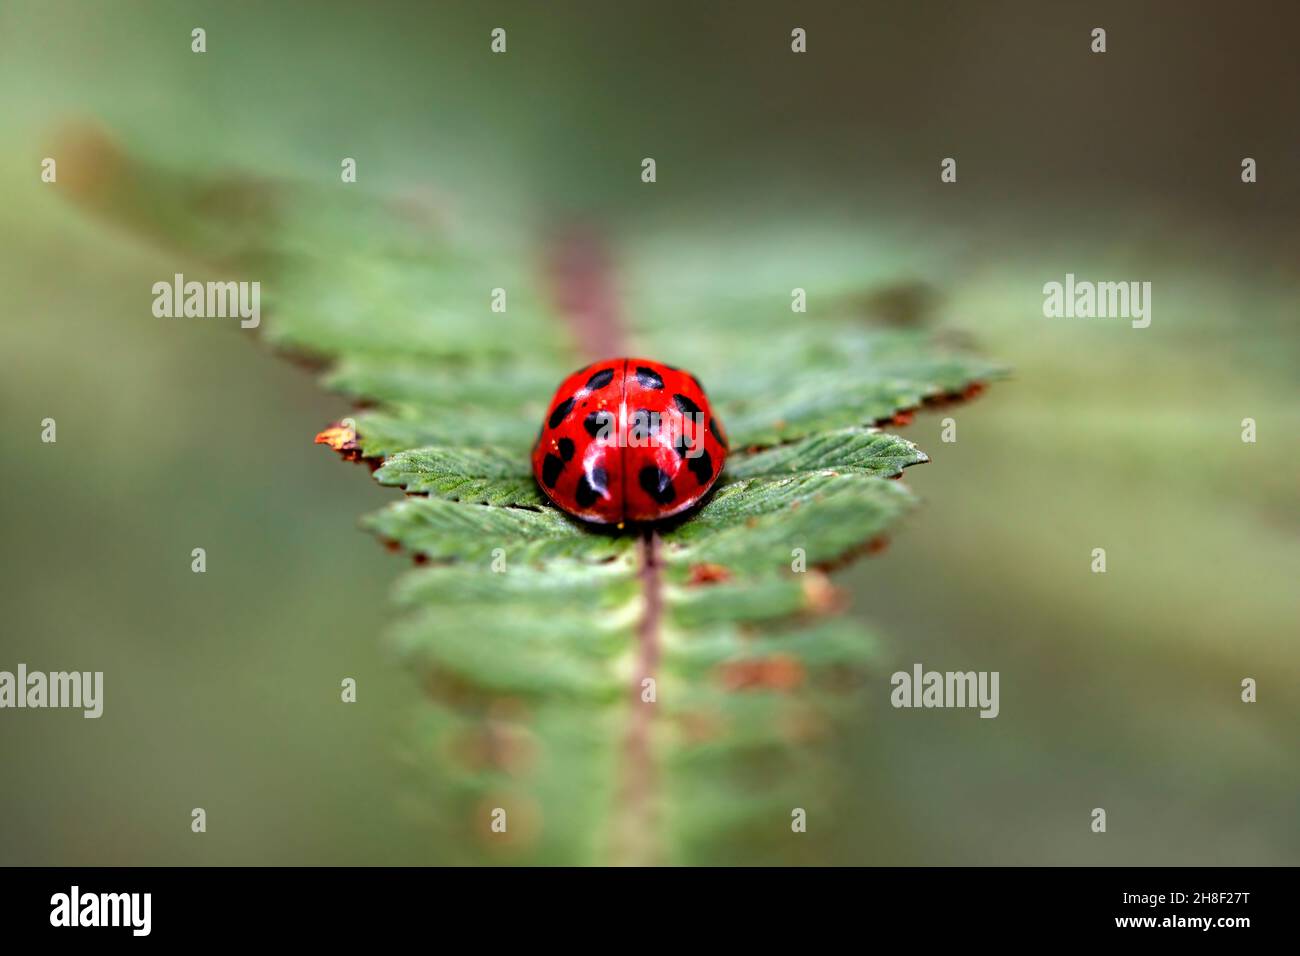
[(628, 440)]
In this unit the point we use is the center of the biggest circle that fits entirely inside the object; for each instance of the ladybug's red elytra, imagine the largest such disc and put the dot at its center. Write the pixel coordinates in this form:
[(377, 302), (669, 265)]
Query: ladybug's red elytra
[(628, 440)]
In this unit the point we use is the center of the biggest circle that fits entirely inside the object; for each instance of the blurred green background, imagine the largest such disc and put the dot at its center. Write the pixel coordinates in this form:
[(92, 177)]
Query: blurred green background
[(1118, 690)]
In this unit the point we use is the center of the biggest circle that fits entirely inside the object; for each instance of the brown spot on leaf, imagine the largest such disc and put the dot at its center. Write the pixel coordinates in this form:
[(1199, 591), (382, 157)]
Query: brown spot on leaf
[(802, 725), (822, 596), (778, 672), (704, 573), (971, 391), (873, 546), (509, 710), (89, 161), (904, 416), (455, 692), (341, 436), (495, 745), (310, 361), (700, 727)]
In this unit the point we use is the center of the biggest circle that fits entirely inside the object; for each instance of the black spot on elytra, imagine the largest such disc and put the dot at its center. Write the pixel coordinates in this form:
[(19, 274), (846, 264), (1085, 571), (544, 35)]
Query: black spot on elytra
[(596, 421), (684, 405), (561, 410), (566, 449), (551, 468), (657, 484), (699, 386), (701, 468), (600, 379), (592, 487), (717, 430), (648, 377)]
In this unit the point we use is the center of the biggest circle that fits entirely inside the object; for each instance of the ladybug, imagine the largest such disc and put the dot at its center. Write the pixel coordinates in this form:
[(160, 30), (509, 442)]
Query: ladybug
[(628, 440)]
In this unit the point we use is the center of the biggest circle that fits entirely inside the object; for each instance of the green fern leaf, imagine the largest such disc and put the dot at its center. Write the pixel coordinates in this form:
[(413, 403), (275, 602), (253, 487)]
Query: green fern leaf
[(668, 696)]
